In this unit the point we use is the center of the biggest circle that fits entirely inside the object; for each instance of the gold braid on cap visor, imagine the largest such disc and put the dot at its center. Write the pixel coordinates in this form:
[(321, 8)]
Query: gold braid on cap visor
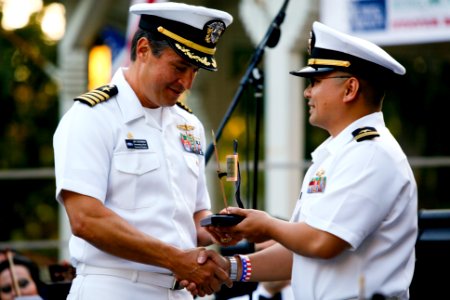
[(186, 42), (203, 60), (328, 62)]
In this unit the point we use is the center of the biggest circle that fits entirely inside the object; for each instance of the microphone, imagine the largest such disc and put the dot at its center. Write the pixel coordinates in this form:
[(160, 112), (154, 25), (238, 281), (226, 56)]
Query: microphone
[(274, 37), (275, 33)]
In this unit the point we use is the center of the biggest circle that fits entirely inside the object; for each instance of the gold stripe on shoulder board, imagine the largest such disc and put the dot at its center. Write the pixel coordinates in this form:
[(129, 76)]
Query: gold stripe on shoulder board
[(365, 133), (98, 95)]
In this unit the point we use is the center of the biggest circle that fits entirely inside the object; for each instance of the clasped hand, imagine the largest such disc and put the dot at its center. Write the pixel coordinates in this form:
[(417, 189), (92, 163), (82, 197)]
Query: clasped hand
[(254, 228), (203, 272)]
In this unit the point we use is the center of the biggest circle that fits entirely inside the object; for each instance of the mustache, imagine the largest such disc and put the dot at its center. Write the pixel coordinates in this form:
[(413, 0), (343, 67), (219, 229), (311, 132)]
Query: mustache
[(178, 88)]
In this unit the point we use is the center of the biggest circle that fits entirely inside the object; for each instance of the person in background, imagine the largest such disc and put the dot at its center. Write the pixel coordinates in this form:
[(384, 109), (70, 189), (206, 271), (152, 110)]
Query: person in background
[(353, 231), (27, 276), (129, 165)]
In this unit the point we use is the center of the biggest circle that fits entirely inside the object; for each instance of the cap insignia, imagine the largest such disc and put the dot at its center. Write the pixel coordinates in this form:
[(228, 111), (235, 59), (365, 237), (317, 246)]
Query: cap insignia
[(214, 30), (310, 42), (98, 95), (365, 133)]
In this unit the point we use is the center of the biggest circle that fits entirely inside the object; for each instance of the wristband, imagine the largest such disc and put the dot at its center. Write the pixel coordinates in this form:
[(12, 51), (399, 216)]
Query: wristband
[(233, 268), (246, 268)]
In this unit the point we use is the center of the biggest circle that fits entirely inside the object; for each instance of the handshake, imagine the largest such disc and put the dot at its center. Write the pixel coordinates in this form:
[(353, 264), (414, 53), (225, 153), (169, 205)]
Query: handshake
[(203, 271), (208, 272)]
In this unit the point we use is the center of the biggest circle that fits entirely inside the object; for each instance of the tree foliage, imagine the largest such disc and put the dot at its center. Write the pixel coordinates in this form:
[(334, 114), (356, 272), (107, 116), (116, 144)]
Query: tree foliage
[(28, 118)]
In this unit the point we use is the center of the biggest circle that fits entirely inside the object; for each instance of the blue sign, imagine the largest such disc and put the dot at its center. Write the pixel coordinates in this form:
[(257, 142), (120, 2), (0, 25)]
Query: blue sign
[(368, 15)]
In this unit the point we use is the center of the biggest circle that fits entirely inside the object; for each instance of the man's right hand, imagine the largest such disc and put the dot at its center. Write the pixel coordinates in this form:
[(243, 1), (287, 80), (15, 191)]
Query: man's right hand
[(218, 265)]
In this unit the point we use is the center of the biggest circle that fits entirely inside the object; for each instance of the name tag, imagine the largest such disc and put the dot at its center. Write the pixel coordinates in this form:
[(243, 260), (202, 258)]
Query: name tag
[(136, 144)]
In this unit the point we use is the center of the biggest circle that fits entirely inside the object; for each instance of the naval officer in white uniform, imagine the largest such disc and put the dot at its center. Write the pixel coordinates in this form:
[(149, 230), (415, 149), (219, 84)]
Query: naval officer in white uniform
[(129, 162), (353, 231)]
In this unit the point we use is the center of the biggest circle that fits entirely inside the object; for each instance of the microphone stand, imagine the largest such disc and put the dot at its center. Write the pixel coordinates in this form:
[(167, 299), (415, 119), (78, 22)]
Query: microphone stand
[(257, 80), (270, 39), (254, 76)]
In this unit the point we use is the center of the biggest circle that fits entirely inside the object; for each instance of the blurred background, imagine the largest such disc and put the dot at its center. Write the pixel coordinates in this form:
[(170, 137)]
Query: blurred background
[(52, 51)]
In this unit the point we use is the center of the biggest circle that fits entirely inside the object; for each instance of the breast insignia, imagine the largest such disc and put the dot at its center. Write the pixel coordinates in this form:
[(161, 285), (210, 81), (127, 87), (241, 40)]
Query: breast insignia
[(98, 95), (365, 133), (184, 106)]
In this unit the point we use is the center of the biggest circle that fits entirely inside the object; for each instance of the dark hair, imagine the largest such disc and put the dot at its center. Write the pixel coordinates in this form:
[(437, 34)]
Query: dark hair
[(374, 91), (32, 267), (372, 85), (158, 43)]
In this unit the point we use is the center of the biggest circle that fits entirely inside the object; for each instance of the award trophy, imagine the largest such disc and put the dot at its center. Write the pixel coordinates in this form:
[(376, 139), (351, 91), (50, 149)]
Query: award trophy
[(233, 174)]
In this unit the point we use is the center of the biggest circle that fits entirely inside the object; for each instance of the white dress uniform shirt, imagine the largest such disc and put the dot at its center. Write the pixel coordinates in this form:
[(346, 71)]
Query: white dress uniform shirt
[(137, 166), (364, 193)]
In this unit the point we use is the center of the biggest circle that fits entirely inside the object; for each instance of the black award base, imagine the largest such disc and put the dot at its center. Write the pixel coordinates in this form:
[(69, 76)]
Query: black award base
[(221, 220)]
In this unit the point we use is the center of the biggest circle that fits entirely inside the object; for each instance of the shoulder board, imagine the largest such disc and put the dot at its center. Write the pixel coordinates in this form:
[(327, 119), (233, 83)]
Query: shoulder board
[(98, 95), (184, 106), (365, 133)]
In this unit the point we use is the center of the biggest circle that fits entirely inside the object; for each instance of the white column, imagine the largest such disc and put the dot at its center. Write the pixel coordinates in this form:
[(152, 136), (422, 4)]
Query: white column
[(284, 103), (283, 127)]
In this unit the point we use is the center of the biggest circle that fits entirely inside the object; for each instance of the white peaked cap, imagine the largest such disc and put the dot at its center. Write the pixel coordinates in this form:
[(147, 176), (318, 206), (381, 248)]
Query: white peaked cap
[(330, 50), (192, 31)]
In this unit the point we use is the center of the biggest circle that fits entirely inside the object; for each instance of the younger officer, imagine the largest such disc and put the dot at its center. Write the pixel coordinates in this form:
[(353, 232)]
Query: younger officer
[(353, 230), (130, 170)]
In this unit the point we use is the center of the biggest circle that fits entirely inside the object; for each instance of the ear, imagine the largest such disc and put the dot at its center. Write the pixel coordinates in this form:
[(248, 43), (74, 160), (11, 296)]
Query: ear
[(351, 89), (142, 48)]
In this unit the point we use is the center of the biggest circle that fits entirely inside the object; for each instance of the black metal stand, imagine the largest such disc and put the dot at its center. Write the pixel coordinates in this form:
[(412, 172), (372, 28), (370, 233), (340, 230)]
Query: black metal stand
[(257, 81), (270, 40), (252, 76)]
